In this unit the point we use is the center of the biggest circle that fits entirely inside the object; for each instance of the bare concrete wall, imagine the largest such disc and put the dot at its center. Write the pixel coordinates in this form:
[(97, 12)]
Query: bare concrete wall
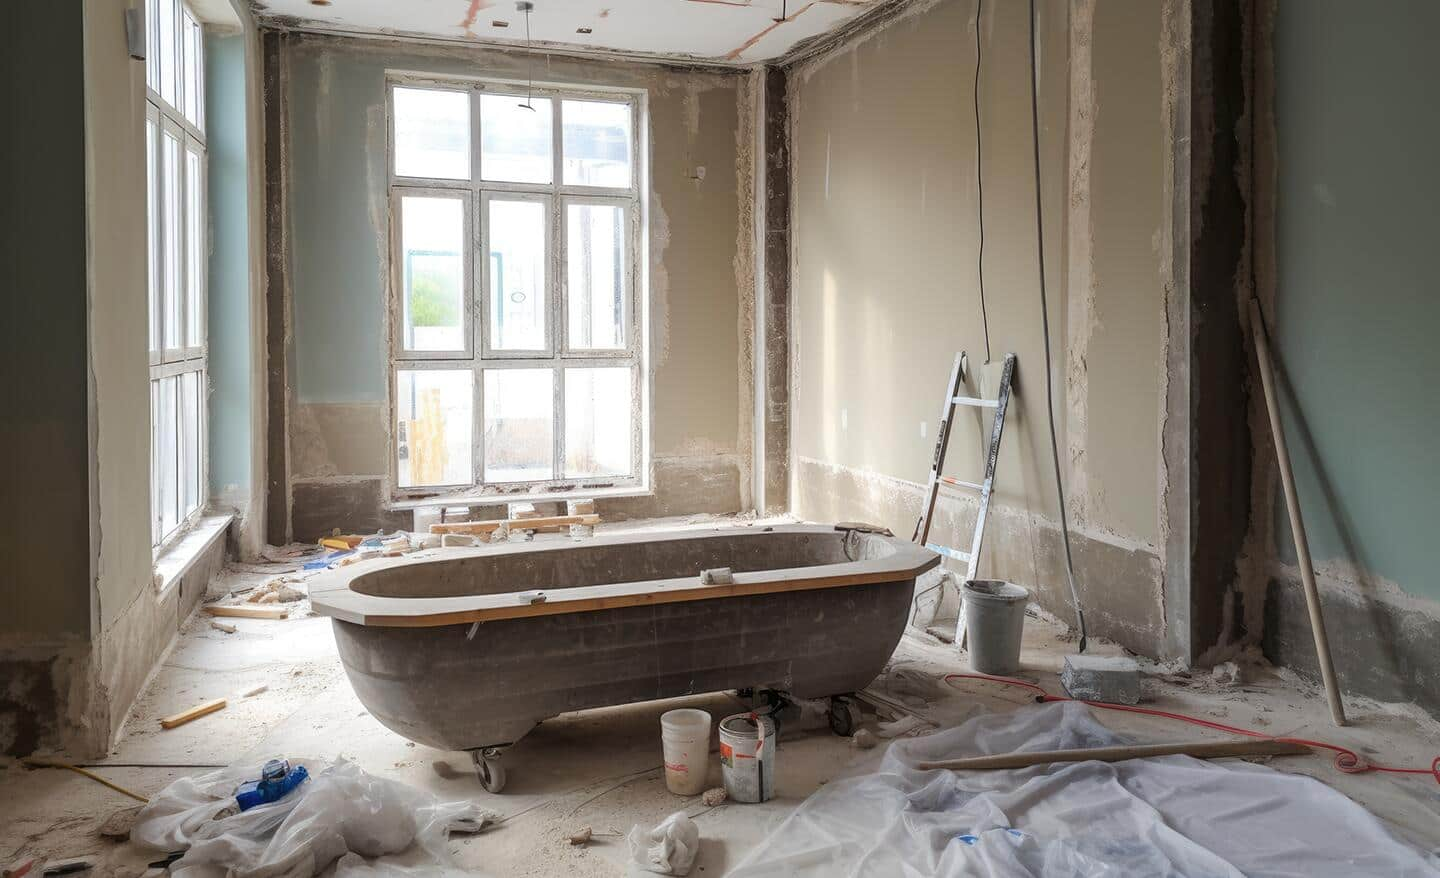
[(700, 271), (45, 618), (885, 285)]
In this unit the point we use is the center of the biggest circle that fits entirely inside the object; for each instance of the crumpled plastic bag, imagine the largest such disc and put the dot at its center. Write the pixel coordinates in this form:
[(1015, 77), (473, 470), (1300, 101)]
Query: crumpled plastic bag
[(355, 866), (340, 809), (668, 849)]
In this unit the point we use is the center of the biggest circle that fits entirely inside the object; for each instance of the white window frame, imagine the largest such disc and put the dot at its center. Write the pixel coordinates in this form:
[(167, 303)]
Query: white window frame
[(189, 356), (478, 356)]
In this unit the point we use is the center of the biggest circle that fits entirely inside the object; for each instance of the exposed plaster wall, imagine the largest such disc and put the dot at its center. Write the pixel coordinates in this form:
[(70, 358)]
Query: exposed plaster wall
[(331, 94), (885, 291), (1346, 184)]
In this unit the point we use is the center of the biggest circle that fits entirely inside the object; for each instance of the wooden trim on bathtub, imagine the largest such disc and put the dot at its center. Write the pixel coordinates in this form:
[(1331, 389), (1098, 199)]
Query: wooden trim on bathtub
[(334, 597)]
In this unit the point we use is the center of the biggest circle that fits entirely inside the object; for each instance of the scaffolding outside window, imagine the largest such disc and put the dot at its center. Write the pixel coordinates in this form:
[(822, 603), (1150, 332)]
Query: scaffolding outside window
[(175, 164), (516, 355)]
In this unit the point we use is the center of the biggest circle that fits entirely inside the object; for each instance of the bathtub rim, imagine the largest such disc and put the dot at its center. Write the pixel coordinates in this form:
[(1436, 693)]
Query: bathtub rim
[(331, 593)]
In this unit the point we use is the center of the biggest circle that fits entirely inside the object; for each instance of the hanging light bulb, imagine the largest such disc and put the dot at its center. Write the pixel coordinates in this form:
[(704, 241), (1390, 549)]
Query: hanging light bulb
[(525, 6)]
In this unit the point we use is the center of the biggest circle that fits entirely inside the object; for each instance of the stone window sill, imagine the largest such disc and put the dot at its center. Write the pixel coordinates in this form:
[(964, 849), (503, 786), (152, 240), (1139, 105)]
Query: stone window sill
[(177, 559)]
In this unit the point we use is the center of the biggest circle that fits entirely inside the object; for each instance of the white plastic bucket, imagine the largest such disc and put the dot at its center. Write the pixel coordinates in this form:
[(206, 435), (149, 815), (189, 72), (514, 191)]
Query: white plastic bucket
[(685, 736), (747, 757), (994, 623)]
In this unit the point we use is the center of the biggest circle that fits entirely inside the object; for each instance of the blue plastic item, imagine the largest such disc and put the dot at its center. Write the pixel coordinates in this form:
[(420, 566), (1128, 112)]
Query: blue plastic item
[(277, 779)]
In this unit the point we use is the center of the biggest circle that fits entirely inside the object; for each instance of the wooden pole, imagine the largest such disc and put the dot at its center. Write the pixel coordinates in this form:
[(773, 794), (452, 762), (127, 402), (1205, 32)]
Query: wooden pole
[(1297, 523), (1197, 749)]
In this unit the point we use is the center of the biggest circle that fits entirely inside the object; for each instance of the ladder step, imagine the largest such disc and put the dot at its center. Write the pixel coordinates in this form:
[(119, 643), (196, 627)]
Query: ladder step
[(980, 403), (963, 557), (958, 483)]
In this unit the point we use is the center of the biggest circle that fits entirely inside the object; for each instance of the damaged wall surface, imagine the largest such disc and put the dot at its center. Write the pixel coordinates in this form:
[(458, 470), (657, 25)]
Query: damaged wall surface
[(886, 246), (1355, 312), (327, 94)]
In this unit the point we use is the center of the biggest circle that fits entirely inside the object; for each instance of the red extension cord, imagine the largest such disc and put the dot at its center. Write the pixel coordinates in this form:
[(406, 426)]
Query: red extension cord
[(1346, 760)]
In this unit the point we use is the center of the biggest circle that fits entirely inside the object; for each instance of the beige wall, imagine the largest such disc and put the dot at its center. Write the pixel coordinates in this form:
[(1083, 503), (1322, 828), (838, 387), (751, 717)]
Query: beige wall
[(700, 271), (885, 290)]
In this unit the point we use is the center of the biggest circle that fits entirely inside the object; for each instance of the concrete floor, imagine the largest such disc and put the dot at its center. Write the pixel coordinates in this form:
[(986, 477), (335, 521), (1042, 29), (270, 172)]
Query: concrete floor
[(601, 768)]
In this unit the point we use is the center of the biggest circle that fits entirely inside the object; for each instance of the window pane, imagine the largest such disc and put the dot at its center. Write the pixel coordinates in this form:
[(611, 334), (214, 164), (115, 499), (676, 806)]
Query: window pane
[(595, 291), (597, 422), (432, 271), (517, 275), (519, 430), (167, 459), (433, 409), (190, 44), (597, 143), (152, 224), (170, 240), (195, 250), (155, 533), (167, 33), (515, 141), (152, 54), (189, 442), (432, 133)]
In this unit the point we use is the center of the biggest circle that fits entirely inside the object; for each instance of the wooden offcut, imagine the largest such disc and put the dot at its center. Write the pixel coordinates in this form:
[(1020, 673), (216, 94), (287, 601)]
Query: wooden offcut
[(199, 710), (1197, 749), (485, 527), (248, 612)]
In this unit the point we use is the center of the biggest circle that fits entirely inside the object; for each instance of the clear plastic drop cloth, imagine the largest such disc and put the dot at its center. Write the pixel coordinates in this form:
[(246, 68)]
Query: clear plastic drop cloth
[(340, 811), (1166, 816)]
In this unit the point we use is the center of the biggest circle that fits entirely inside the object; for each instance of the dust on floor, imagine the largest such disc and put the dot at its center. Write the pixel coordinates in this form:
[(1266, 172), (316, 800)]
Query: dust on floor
[(601, 768)]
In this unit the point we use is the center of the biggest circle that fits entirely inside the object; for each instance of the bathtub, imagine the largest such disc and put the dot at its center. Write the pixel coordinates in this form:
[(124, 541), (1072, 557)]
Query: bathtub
[(449, 648)]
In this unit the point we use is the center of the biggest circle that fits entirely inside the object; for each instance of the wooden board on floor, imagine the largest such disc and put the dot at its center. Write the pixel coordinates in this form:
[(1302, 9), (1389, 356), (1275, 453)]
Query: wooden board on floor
[(248, 612), (485, 527), (199, 710)]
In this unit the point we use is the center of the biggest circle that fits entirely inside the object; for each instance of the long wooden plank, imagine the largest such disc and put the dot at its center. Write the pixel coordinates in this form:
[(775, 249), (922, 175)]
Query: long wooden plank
[(350, 606), (199, 710), (1197, 749), (250, 612), (485, 527)]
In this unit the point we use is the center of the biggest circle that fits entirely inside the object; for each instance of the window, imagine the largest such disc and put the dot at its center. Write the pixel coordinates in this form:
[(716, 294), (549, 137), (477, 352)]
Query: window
[(516, 338), (176, 237)]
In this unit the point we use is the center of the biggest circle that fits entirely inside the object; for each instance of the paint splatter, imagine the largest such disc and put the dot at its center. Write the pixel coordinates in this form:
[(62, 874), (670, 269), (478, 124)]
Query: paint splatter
[(473, 13)]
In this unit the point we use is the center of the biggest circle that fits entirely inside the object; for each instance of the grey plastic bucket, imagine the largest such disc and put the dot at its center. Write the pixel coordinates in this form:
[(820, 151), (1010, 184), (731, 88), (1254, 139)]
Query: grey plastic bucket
[(994, 623)]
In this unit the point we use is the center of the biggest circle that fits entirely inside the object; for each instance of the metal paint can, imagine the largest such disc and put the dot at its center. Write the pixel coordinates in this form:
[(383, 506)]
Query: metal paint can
[(747, 757)]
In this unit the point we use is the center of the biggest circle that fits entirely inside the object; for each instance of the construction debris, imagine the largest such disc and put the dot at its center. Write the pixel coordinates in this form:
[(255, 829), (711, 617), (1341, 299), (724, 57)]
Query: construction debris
[(667, 849), (864, 739), (222, 626), (205, 707), (248, 612), (275, 591), (1112, 679), (713, 797), (582, 837), (118, 824)]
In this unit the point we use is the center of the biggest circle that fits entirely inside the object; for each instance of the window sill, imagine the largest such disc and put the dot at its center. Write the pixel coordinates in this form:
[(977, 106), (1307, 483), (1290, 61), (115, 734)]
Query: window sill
[(178, 558), (531, 497)]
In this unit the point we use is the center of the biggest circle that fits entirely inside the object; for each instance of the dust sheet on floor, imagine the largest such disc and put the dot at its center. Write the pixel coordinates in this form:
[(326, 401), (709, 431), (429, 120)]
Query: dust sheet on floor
[(1168, 816)]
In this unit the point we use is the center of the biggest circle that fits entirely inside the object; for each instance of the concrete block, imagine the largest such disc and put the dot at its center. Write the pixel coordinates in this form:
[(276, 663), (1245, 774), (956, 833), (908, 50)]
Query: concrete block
[(1113, 679)]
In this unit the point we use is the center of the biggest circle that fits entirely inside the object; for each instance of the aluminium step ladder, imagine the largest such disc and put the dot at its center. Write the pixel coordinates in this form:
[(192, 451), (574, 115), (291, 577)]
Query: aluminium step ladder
[(984, 488)]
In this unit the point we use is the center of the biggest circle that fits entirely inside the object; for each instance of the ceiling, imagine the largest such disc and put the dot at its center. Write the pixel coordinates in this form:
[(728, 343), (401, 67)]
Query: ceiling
[(725, 31)]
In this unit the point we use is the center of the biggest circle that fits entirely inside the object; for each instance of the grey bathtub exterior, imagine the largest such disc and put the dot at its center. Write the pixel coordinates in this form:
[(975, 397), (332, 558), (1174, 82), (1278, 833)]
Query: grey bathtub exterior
[(462, 679)]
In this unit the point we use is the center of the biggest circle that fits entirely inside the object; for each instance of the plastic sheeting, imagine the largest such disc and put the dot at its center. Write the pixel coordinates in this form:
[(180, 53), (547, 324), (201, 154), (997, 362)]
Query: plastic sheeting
[(1168, 816), (339, 811)]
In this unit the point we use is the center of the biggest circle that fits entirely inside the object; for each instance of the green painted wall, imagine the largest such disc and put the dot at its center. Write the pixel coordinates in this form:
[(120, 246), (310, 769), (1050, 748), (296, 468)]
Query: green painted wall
[(1358, 299), (338, 185), (229, 306)]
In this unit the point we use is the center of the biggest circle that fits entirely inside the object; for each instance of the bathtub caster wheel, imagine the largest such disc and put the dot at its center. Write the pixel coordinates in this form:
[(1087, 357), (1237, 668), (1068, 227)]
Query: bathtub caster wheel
[(489, 769), (844, 716)]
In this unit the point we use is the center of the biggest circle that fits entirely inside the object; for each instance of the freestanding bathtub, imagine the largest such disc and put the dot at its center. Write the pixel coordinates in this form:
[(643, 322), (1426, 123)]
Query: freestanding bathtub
[(448, 647)]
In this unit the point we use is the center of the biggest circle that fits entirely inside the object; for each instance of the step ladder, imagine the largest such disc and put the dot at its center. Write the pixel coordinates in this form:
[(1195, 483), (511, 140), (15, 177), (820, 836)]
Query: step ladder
[(984, 488)]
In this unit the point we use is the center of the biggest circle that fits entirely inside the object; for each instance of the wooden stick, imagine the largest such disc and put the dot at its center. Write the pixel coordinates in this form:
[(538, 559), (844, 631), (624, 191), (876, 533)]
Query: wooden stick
[(248, 612), (1198, 749), (185, 716), (485, 527), (1297, 523)]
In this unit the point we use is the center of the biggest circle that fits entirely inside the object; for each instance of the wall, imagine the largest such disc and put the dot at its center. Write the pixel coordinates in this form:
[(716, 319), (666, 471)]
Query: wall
[(885, 286), (335, 353), (45, 610), (1355, 313)]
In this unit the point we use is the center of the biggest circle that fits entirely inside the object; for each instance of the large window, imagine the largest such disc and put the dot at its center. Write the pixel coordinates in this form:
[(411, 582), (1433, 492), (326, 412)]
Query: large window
[(175, 178), (516, 345)]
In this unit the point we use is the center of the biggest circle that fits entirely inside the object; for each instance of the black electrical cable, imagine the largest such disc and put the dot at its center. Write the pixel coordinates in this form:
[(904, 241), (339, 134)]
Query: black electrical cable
[(1045, 326), (980, 181)]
